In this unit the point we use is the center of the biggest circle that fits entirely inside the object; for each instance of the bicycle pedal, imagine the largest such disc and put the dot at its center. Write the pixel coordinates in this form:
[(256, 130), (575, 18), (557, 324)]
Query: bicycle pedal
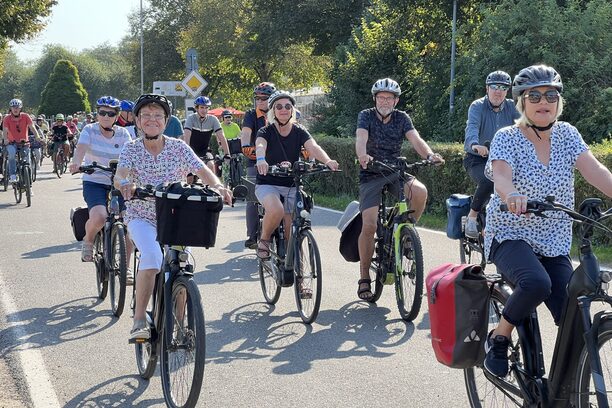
[(137, 341)]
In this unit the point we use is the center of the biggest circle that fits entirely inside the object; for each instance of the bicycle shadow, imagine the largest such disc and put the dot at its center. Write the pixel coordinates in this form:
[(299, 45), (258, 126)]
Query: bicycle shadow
[(48, 251), (44, 327), (235, 247), (252, 332), (242, 268), (116, 392)]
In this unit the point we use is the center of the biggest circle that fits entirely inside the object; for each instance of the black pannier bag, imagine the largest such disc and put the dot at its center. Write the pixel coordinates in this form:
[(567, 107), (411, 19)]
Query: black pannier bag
[(78, 218), (187, 214), (235, 147), (350, 227), (457, 206)]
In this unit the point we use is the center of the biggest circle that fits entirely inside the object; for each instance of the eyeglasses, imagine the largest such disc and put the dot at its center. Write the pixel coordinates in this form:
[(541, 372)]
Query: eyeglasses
[(280, 106), (385, 98), (147, 116), (551, 96), (202, 106), (262, 98), (110, 114), (499, 87), (227, 117)]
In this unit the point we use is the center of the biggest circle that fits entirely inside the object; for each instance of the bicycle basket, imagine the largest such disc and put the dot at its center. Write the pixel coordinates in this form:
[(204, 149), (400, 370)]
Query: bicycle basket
[(457, 206), (187, 215)]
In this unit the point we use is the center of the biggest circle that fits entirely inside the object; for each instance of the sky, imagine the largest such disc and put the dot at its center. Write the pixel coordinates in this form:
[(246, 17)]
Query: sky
[(80, 24)]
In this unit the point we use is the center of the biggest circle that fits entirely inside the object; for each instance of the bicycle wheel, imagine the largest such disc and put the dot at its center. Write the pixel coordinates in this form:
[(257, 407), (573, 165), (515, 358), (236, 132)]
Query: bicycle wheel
[(34, 168), (585, 390), (468, 254), (308, 280), (17, 189), (26, 178), (56, 166), (182, 359), (5, 176), (146, 358), (377, 273), (101, 276), (268, 272), (409, 280), (483, 393), (118, 269)]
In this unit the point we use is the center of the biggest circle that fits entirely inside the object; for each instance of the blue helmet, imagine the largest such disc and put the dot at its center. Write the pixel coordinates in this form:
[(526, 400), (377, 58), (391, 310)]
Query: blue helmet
[(109, 102), (202, 100), (126, 105)]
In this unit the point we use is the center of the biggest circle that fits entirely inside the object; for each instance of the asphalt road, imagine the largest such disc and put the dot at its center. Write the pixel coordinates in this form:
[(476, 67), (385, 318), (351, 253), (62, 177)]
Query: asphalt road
[(62, 346)]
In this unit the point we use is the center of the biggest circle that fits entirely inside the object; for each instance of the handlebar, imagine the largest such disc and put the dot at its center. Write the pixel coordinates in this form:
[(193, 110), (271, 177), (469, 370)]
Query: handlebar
[(298, 169), (399, 164), (91, 168)]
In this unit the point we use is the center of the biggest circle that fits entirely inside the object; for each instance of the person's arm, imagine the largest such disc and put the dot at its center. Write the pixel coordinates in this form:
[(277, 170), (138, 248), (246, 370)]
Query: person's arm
[(316, 151), (360, 147), (82, 148), (260, 152), (206, 174), (421, 147), (35, 132), (502, 180), (222, 141), (595, 173), (4, 135), (472, 127), (187, 136)]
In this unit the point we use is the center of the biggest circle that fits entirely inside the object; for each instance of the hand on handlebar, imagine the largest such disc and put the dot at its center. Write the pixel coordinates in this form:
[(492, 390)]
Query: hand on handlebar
[(517, 203), (226, 193), (436, 159), (127, 190), (333, 165), (364, 159), (262, 167), (481, 150), (73, 168)]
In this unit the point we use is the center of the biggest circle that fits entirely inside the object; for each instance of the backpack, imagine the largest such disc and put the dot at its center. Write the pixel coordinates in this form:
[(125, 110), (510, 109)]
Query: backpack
[(458, 300), (457, 206), (78, 218)]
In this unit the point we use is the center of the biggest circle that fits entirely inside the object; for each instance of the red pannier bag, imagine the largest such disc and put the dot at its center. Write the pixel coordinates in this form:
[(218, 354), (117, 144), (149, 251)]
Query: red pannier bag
[(458, 300)]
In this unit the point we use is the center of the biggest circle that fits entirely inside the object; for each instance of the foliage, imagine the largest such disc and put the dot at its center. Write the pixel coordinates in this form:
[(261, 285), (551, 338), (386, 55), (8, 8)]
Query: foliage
[(64, 91), (11, 80)]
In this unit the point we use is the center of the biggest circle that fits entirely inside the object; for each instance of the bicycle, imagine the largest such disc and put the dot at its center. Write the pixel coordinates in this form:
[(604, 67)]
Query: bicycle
[(60, 161), (177, 327), (4, 166), (582, 345), (23, 175), (471, 250), (398, 253), (295, 261), (110, 246), (35, 164)]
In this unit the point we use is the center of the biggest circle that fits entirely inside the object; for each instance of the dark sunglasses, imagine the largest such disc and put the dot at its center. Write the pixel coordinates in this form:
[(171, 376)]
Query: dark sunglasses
[(551, 96), (499, 87), (280, 106), (262, 98), (227, 117), (110, 114)]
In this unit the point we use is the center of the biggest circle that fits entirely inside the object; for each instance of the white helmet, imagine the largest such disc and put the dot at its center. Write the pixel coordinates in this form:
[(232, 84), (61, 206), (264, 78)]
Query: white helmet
[(386, 85), (16, 103)]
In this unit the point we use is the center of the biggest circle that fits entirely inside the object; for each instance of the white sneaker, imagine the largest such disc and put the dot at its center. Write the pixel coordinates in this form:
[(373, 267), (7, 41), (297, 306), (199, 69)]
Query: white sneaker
[(471, 228)]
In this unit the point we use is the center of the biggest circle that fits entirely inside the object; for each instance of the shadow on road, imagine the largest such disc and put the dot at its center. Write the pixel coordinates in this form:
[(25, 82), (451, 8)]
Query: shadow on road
[(118, 392), (238, 269), (48, 251), (252, 332), (73, 320)]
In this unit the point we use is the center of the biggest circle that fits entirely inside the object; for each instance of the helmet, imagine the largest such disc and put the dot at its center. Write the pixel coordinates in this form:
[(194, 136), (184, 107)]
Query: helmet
[(59, 116), (68, 117), (40, 117), (265, 88), (280, 95), (298, 114), (89, 115), (536, 75), (202, 100), (386, 85), (498, 77), (226, 113), (152, 98), (109, 102), (126, 105), (16, 103)]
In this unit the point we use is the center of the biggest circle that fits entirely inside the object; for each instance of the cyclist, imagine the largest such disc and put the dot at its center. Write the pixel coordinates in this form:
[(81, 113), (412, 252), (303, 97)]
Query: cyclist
[(254, 119), (74, 133), (231, 129), (200, 126), (533, 159), (15, 127), (125, 118), (485, 117), (174, 128), (281, 142), (88, 119), (99, 142), (36, 141), (43, 124), (151, 160), (380, 133), (59, 135)]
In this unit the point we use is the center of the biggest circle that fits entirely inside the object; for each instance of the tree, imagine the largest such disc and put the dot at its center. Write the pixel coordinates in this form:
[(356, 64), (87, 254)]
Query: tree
[(64, 91), (34, 85), (11, 80)]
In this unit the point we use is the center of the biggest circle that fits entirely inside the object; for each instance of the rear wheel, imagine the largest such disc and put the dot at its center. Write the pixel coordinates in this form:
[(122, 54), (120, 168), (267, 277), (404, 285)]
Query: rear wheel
[(472, 252), (118, 269), (5, 176), (409, 279), (34, 168), (268, 270), (26, 178), (183, 346), (146, 357), (98, 258), (377, 273), (585, 389), (308, 280)]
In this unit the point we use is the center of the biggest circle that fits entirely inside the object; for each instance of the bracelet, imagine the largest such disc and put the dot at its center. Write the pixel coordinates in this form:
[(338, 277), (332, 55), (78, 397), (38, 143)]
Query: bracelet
[(513, 194), (261, 159)]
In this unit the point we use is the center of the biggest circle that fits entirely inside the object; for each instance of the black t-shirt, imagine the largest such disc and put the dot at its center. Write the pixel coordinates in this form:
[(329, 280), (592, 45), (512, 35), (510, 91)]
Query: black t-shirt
[(253, 122), (280, 149), (60, 133)]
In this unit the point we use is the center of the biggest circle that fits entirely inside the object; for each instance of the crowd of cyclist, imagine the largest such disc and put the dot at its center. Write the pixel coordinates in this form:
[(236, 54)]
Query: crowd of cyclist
[(514, 151)]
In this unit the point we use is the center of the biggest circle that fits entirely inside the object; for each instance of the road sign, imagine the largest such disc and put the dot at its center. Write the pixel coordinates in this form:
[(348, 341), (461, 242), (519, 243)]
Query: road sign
[(191, 60), (194, 83), (169, 88)]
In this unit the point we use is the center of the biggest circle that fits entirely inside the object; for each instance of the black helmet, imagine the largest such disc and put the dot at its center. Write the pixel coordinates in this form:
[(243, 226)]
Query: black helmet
[(265, 88), (279, 95), (534, 76), (226, 113), (152, 98), (499, 77)]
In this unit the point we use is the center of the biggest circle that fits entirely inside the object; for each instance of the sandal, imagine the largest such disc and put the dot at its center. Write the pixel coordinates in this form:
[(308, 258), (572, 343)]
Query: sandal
[(305, 292), (263, 249), (87, 252), (365, 292)]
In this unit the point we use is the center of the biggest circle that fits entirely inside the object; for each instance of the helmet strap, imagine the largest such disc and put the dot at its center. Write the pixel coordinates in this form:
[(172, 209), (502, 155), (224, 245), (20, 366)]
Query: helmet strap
[(280, 123), (151, 137), (541, 128), (110, 129)]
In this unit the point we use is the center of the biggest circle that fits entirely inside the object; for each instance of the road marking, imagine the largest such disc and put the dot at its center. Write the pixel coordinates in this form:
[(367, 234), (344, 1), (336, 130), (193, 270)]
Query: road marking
[(23, 232), (39, 384)]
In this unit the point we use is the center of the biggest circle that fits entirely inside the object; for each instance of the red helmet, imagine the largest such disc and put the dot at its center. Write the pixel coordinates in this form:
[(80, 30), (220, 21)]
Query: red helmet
[(265, 88)]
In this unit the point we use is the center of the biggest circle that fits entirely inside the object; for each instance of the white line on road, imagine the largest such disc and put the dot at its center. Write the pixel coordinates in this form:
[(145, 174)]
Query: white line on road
[(41, 389)]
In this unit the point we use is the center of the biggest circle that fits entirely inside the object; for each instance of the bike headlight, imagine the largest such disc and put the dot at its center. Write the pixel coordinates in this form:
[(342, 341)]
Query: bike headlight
[(606, 276)]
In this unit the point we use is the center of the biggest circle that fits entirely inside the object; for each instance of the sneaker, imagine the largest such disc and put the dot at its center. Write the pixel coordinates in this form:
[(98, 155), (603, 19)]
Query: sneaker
[(496, 360), (129, 277), (12, 179), (251, 243), (471, 228), (140, 330)]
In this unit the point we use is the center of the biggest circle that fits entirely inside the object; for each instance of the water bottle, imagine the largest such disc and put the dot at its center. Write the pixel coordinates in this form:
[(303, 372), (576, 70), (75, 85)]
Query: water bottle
[(463, 222), (114, 205)]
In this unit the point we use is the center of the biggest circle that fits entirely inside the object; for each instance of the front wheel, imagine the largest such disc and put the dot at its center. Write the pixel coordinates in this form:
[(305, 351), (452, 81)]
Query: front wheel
[(17, 189), (98, 258), (409, 274), (117, 269), (308, 279), (585, 389), (26, 178), (377, 272), (183, 346), (268, 270)]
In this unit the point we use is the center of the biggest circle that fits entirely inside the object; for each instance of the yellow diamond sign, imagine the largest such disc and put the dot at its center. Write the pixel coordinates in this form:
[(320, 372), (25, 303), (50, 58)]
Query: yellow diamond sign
[(194, 83)]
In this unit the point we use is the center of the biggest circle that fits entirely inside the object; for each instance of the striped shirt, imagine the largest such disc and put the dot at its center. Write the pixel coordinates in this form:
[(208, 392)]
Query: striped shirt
[(101, 149)]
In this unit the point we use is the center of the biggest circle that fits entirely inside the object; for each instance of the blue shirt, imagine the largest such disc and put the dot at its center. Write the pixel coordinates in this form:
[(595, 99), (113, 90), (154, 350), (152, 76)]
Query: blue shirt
[(483, 121), (174, 128)]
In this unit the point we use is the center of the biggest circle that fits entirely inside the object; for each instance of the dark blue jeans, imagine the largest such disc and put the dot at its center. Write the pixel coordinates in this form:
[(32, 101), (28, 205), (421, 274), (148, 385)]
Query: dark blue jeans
[(536, 279)]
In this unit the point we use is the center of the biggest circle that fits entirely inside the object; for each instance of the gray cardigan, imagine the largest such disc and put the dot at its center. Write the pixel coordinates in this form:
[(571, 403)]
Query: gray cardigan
[(483, 121)]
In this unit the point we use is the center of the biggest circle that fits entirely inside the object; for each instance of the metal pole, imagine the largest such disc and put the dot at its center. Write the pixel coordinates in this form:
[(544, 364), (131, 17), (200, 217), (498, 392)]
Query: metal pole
[(451, 106), (141, 52)]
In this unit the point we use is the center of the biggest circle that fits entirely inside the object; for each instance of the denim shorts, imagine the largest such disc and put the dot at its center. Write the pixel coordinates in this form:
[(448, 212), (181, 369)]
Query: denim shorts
[(95, 194), (370, 192), (288, 194)]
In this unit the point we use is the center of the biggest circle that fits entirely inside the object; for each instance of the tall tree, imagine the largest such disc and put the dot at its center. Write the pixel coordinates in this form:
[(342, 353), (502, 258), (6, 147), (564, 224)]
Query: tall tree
[(34, 85), (64, 91)]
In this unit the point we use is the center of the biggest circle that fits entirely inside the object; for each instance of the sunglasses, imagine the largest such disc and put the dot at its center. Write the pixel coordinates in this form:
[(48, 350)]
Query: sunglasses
[(499, 87), (227, 117), (280, 106), (110, 114), (262, 98), (551, 96)]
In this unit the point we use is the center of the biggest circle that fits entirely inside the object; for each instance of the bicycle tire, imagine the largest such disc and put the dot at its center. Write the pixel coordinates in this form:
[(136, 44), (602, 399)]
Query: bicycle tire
[(98, 258), (307, 269), (118, 269), (585, 396), (188, 346), (481, 392), (27, 184), (146, 358), (17, 190), (34, 169), (56, 167), (377, 274), (467, 254), (409, 281), (269, 286), (5, 176)]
